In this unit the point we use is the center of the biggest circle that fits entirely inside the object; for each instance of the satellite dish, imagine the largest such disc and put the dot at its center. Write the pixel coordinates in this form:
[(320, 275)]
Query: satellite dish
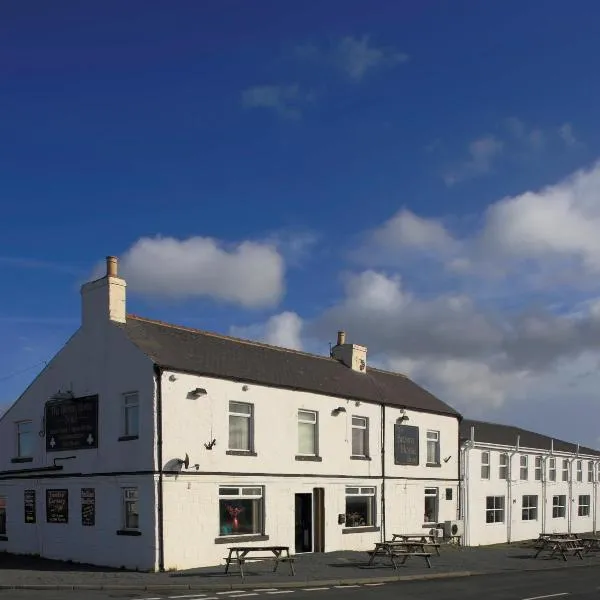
[(186, 461)]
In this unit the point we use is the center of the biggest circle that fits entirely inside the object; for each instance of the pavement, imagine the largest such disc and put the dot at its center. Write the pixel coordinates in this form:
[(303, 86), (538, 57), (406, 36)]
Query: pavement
[(316, 570)]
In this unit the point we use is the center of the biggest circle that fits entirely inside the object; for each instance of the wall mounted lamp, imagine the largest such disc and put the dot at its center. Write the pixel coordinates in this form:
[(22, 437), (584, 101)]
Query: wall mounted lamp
[(197, 393), (336, 411), (401, 419)]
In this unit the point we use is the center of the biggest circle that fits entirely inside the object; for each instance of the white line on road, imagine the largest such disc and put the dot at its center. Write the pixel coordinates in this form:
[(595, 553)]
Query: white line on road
[(244, 595), (193, 596), (231, 592), (345, 586), (282, 592), (265, 589), (314, 589), (548, 596), (374, 584)]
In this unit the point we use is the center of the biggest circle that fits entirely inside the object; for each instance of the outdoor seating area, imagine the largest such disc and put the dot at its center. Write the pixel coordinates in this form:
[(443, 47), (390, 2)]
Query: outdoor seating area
[(565, 545), (403, 546), (240, 555)]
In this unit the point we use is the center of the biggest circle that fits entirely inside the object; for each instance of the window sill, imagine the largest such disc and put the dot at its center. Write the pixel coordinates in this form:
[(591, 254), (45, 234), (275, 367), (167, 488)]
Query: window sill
[(360, 529), (232, 539), (309, 458), (128, 438), (130, 532), (3, 538), (21, 459), (240, 453), (360, 458), (433, 465)]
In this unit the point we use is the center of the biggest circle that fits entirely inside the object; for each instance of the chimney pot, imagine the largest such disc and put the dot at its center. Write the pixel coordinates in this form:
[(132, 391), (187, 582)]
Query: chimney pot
[(341, 339), (112, 266)]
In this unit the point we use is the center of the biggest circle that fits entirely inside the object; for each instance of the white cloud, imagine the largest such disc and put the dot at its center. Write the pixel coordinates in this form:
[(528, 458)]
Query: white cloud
[(567, 135), (532, 138), (285, 100), (249, 274), (482, 153), (283, 330)]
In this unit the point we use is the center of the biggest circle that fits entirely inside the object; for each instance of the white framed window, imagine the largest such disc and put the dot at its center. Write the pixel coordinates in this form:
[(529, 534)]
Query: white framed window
[(485, 465), (538, 468), (433, 448), (565, 469), (131, 414), (529, 508), (579, 470), (360, 436), (559, 506), (494, 509), (308, 433), (24, 439), (583, 508), (241, 510), (524, 467), (360, 507), (590, 471), (241, 426), (503, 466), (431, 505), (2, 515), (552, 469), (131, 514)]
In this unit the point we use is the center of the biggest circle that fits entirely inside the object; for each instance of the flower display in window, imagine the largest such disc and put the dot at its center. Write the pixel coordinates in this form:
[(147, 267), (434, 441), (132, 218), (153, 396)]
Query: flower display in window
[(234, 512)]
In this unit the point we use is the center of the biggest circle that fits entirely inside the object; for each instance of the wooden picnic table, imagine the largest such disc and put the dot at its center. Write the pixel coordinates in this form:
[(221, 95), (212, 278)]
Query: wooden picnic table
[(426, 539), (590, 544), (403, 550), (239, 555), (562, 545)]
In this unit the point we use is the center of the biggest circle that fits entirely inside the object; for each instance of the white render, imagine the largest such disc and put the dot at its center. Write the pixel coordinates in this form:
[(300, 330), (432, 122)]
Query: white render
[(476, 489)]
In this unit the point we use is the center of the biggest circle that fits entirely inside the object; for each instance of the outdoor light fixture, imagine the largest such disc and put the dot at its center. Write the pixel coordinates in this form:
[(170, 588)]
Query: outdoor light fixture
[(402, 419), (338, 410), (197, 393)]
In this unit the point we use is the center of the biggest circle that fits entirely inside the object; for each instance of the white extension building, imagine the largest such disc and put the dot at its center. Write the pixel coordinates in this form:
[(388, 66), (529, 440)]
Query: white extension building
[(148, 445), (518, 484)]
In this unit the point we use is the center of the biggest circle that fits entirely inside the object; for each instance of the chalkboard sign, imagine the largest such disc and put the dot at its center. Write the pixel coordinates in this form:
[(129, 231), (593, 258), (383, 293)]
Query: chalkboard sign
[(88, 507), (406, 445), (72, 424), (29, 502), (57, 506)]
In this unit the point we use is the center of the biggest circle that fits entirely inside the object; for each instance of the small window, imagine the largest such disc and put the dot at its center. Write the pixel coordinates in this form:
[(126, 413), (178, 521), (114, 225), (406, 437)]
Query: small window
[(131, 414), (538, 468), (565, 470), (433, 448), (2, 515), (529, 509), (485, 465), (559, 504), (25, 439), (503, 466), (307, 433), (590, 472), (583, 509), (131, 515), (360, 436), (524, 467), (241, 510), (552, 469), (431, 505), (494, 509), (241, 426), (360, 507), (580, 470)]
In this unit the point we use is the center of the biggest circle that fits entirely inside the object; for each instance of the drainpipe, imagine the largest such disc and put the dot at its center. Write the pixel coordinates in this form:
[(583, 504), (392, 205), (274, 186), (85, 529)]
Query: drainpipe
[(159, 459), (383, 472), (545, 466), (510, 498), (595, 488)]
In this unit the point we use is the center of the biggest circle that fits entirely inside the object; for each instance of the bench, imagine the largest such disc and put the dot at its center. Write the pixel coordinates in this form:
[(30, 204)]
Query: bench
[(239, 555), (406, 555)]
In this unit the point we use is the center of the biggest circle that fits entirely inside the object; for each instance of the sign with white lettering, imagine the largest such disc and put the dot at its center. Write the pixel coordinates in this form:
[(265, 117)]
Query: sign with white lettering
[(72, 424), (57, 506), (406, 445)]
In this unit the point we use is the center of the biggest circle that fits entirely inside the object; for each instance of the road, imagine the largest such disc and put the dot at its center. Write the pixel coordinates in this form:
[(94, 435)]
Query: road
[(567, 584)]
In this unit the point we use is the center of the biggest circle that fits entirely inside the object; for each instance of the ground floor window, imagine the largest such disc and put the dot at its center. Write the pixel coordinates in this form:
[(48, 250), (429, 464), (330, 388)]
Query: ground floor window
[(360, 507), (494, 509), (2, 515), (431, 505), (559, 504), (241, 510), (131, 513), (583, 509), (529, 508)]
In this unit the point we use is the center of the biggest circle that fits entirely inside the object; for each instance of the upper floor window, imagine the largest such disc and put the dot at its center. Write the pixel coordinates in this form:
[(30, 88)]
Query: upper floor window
[(485, 465), (308, 433), (503, 466), (25, 439), (2, 515), (241, 426), (538, 468), (131, 414), (579, 470), (524, 467), (590, 471), (131, 514), (552, 469), (360, 436), (433, 448), (583, 508), (565, 470)]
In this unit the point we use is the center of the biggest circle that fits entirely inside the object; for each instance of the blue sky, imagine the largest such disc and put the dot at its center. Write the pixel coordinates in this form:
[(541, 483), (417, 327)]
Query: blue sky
[(421, 174)]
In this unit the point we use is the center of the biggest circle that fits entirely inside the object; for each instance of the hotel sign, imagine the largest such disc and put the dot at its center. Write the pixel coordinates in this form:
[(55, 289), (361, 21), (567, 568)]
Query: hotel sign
[(406, 445), (72, 424)]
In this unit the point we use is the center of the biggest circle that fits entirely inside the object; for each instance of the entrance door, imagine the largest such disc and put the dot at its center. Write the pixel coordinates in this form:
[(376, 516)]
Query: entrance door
[(319, 517), (304, 523)]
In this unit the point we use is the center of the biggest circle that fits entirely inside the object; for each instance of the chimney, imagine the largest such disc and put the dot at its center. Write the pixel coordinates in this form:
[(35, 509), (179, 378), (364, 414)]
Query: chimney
[(103, 300), (351, 355)]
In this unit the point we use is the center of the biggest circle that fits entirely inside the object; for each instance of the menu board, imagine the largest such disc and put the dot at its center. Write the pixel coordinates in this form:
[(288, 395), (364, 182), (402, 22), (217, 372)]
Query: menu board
[(72, 424), (406, 445), (57, 506), (29, 503), (88, 507)]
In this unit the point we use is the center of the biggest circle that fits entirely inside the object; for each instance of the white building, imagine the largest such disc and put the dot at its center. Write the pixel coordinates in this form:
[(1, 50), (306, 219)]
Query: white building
[(518, 484), (149, 446)]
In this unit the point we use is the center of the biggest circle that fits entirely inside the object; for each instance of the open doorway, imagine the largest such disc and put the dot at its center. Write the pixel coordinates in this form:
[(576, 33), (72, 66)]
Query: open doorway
[(304, 523)]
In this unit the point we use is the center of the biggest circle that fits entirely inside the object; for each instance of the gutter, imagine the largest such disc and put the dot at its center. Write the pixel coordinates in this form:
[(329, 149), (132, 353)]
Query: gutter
[(159, 459)]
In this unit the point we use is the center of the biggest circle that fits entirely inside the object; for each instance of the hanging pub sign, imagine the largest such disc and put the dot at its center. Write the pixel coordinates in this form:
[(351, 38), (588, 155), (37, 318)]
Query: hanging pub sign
[(57, 506), (406, 445), (29, 504), (88, 507), (71, 424)]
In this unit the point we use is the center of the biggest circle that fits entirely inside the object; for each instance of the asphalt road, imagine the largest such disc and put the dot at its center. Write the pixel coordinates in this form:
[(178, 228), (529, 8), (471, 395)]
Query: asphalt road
[(568, 584)]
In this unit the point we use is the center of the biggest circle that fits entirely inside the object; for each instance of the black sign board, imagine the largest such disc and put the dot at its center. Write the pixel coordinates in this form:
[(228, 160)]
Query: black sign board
[(57, 506), (406, 445), (72, 424), (29, 502), (88, 507)]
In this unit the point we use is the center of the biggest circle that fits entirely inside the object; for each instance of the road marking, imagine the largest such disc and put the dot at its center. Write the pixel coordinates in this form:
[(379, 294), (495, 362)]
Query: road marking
[(185, 596), (314, 589), (282, 592), (265, 589), (231, 592), (345, 586), (374, 584), (244, 595), (548, 596)]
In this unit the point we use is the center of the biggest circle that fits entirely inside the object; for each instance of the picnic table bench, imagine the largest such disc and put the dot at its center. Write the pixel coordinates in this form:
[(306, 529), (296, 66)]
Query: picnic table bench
[(240, 555), (562, 545), (399, 550), (590, 544), (425, 538)]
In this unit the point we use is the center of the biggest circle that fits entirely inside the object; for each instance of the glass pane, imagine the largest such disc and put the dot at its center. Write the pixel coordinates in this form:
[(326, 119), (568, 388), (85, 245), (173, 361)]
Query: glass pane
[(239, 433), (2, 521), (131, 420), (360, 511), (358, 442), (240, 407), (352, 490), (306, 438), (25, 439), (359, 422), (307, 415), (368, 490), (229, 491), (252, 491), (430, 515), (238, 517)]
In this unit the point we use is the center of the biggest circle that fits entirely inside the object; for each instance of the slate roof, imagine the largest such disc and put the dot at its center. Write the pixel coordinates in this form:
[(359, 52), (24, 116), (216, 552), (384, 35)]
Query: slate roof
[(213, 355), (495, 433)]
